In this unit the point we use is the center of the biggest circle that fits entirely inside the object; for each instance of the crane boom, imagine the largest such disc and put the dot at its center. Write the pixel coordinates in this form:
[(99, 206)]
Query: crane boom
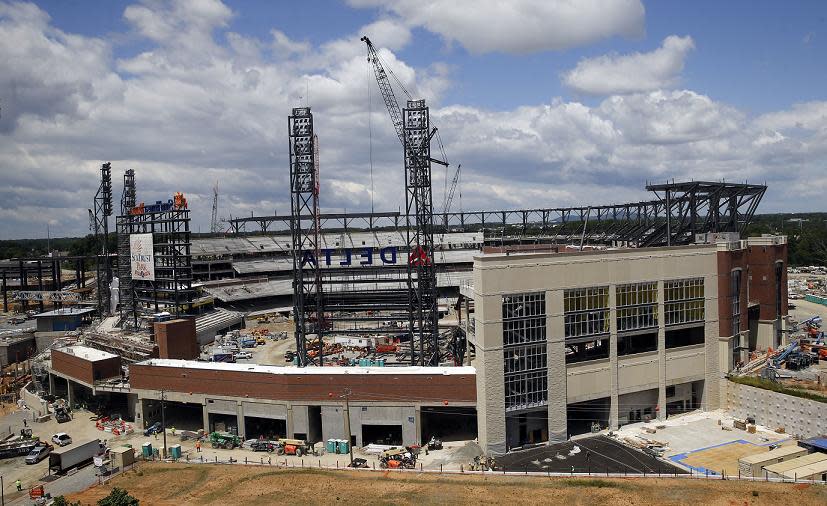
[(452, 189), (387, 90)]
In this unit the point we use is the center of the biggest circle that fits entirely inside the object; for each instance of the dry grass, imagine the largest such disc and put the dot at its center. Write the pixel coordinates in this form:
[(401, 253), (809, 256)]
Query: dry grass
[(171, 484)]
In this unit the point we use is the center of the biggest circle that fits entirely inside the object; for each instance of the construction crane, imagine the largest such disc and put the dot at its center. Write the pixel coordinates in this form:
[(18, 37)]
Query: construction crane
[(413, 129), (451, 190), (215, 227), (392, 104)]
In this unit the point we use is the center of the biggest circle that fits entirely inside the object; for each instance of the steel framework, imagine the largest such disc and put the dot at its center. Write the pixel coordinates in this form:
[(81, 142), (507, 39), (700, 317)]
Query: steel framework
[(304, 204), (172, 288), (695, 207), (128, 195), (423, 318), (102, 212), (128, 202)]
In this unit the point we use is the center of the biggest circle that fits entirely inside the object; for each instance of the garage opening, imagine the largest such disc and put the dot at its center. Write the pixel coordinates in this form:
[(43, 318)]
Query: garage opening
[(111, 404), (223, 423), (582, 416), (180, 415), (526, 428), (449, 423), (314, 424), (381, 434), (266, 428)]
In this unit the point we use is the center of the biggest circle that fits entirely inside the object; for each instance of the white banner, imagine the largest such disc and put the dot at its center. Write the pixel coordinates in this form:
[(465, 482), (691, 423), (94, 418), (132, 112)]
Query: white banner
[(142, 257)]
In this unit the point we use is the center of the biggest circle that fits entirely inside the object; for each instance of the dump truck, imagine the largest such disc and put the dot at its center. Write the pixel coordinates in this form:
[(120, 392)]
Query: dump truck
[(224, 440), (63, 460)]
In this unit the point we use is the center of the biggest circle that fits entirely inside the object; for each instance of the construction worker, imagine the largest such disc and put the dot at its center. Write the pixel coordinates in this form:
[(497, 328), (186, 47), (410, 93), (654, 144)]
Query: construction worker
[(19, 485), (198, 446), (173, 430)]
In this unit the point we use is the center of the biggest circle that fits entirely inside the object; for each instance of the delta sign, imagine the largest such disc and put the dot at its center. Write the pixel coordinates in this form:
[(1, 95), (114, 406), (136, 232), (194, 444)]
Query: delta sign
[(364, 256)]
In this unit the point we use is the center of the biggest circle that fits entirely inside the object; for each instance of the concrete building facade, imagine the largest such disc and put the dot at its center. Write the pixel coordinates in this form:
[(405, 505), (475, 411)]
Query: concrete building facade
[(564, 341)]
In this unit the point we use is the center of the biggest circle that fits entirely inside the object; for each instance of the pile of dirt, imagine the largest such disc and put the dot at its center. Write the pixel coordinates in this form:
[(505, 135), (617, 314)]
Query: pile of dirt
[(174, 484)]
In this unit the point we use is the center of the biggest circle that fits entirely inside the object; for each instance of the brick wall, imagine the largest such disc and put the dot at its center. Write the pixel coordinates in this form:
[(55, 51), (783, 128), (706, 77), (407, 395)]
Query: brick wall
[(177, 339), (401, 388), (84, 370)]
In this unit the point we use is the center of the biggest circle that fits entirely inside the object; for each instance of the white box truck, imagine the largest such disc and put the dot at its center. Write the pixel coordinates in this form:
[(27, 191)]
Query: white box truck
[(63, 460)]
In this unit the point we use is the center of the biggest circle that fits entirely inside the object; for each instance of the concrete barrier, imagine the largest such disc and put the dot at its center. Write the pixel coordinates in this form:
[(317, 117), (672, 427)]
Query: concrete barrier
[(800, 417)]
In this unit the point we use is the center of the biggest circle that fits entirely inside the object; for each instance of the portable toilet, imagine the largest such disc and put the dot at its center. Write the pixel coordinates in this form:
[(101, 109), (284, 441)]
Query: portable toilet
[(146, 450), (175, 451), (331, 446), (343, 446)]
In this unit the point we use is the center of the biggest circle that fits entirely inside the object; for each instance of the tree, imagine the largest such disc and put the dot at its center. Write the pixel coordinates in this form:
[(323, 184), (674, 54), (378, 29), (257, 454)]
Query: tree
[(118, 497), (61, 501)]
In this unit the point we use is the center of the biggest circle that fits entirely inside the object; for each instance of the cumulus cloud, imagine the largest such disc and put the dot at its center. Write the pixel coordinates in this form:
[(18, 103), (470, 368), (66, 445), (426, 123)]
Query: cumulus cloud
[(519, 26), (202, 104), (633, 73)]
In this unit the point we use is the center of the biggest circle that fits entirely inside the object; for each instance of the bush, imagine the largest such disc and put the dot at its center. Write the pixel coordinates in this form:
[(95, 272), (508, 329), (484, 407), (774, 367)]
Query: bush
[(118, 497), (777, 387), (61, 501)]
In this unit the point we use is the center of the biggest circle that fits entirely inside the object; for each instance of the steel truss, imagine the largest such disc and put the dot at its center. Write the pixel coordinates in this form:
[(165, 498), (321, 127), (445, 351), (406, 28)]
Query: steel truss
[(128, 202), (422, 290), (100, 226), (304, 204), (696, 207)]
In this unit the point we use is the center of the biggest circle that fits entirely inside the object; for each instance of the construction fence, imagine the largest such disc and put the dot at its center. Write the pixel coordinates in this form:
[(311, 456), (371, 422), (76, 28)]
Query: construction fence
[(310, 463)]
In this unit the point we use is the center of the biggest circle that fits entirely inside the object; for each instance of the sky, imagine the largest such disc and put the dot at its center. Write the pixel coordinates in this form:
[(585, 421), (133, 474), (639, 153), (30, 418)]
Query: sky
[(544, 103)]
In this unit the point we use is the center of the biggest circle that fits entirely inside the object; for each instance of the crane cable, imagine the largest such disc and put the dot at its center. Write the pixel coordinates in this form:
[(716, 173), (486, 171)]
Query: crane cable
[(370, 134)]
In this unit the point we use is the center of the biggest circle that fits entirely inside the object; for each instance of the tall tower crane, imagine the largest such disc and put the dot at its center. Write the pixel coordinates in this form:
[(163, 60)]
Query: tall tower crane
[(413, 128), (215, 226)]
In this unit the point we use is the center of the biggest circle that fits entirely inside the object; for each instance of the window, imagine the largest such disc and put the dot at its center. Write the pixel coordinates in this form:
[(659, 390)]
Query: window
[(735, 291), (637, 306), (684, 301), (524, 318), (684, 337), (525, 358), (586, 315), (586, 311)]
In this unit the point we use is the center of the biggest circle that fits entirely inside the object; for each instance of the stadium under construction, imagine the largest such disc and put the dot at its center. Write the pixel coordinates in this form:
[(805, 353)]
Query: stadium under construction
[(516, 327)]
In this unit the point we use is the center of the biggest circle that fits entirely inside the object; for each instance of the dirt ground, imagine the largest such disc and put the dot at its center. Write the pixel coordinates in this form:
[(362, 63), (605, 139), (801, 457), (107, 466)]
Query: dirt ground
[(171, 484)]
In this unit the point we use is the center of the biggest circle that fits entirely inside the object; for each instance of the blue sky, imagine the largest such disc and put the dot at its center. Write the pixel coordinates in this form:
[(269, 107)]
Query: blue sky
[(539, 102), (757, 55)]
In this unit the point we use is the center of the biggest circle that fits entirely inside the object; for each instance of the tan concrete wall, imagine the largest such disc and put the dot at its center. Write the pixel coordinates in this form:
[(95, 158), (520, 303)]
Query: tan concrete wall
[(800, 417), (497, 275), (685, 364), (588, 380)]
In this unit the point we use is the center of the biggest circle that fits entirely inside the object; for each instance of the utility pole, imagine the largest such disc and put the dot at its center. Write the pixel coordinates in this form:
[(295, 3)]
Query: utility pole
[(163, 424), (346, 395)]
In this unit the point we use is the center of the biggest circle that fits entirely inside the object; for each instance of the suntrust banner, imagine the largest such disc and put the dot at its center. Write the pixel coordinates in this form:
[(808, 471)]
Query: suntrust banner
[(352, 256), (141, 257)]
